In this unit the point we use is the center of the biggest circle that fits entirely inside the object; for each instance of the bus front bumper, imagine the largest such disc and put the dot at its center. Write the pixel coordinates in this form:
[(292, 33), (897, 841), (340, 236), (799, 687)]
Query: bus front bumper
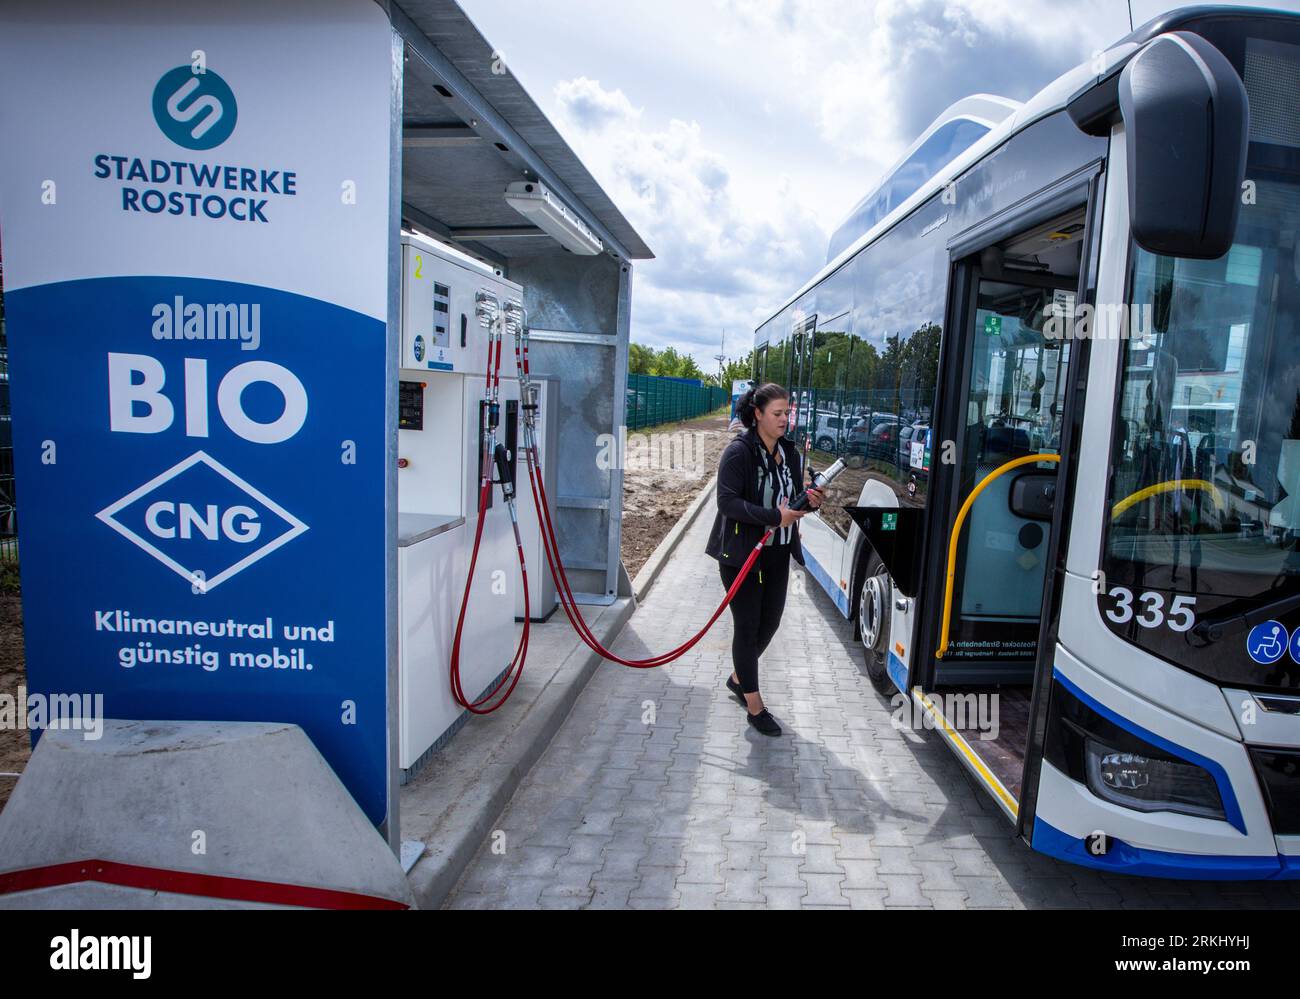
[(1073, 822)]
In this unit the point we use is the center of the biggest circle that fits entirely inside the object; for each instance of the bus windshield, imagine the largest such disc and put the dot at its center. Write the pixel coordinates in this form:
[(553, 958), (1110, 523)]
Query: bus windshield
[(1205, 491)]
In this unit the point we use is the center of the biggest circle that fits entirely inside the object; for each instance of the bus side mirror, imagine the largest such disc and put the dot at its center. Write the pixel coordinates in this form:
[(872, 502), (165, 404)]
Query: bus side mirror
[(1186, 118)]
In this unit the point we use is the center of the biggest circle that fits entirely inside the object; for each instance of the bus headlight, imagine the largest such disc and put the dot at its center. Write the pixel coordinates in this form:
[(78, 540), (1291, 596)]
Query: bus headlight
[(1150, 783)]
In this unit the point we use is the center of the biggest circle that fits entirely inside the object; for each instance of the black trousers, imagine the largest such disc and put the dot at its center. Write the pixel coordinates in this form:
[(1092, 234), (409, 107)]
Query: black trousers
[(756, 610)]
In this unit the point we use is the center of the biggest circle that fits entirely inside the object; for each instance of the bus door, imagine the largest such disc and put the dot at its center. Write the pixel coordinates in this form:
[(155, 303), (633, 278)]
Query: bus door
[(993, 465), (803, 403), (1010, 411)]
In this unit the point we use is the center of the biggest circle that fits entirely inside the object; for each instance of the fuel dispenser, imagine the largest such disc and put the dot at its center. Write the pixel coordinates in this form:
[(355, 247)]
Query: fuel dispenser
[(444, 363)]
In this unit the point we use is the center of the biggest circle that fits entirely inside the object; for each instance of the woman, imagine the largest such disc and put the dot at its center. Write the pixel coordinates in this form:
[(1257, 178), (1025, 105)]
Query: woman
[(759, 474)]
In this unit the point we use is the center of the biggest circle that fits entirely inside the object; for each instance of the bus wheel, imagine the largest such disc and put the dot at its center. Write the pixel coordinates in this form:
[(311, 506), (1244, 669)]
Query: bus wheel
[(873, 623)]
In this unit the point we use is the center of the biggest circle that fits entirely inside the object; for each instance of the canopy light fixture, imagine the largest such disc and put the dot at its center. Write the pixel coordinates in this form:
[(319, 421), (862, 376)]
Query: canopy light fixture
[(533, 201)]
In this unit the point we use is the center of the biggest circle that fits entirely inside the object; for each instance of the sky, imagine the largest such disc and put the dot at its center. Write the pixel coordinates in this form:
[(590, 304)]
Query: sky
[(735, 135)]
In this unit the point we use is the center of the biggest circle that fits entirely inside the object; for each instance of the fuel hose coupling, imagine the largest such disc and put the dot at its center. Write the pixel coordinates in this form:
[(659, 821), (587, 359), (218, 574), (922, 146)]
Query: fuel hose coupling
[(517, 323)]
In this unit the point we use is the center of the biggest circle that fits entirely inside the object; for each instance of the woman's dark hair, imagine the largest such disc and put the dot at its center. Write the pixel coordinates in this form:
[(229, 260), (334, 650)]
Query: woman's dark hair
[(757, 399)]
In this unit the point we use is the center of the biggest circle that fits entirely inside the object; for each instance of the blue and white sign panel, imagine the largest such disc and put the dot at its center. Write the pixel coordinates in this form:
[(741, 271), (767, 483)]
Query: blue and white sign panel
[(1266, 642), (194, 207)]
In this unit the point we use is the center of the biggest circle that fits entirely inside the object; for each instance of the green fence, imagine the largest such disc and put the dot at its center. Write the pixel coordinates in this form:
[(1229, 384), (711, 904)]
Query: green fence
[(652, 400)]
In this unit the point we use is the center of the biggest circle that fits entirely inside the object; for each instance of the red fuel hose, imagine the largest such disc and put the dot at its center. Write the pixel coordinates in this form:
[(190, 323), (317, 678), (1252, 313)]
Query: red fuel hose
[(515, 670), (551, 546), (516, 667), (569, 603)]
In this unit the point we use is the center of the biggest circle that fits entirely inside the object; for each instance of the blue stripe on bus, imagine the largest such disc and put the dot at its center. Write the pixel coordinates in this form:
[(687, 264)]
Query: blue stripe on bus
[(827, 584), (1121, 858), (1231, 810), (898, 673)]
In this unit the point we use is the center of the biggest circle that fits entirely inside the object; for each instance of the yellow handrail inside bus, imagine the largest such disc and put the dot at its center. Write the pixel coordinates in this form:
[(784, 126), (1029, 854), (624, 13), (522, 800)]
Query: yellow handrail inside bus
[(1028, 459), (1172, 485)]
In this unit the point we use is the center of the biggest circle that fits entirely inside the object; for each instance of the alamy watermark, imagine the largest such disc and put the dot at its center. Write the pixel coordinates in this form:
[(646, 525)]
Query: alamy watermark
[(93, 952), (962, 712), (77, 712), (682, 450), (1110, 321)]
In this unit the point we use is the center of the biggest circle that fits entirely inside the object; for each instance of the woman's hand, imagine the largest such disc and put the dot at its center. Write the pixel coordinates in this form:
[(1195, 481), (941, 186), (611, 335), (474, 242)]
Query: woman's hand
[(789, 516), (815, 498)]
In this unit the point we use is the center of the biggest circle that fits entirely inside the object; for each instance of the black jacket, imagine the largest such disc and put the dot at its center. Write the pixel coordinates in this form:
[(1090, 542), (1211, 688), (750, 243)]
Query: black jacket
[(741, 518)]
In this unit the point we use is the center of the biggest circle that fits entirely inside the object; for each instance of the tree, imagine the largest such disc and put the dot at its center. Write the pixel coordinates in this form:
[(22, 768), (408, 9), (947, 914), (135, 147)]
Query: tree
[(668, 363), (734, 370), (640, 359)]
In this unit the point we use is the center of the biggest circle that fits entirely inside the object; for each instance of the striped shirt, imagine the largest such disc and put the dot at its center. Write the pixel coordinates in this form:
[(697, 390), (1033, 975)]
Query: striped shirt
[(773, 489)]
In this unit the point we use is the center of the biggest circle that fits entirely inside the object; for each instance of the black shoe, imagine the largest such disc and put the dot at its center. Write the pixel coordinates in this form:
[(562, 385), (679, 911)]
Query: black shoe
[(764, 722), (734, 687)]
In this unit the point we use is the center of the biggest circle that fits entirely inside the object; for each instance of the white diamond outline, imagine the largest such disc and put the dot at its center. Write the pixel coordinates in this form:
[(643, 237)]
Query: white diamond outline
[(204, 585)]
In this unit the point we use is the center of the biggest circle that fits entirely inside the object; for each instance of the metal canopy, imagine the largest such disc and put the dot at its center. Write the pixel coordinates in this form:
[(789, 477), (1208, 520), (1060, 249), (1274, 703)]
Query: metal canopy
[(468, 132)]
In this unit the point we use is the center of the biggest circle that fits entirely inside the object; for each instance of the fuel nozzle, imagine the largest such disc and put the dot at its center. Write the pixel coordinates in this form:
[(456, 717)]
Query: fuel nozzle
[(505, 474), (528, 403), (820, 480)]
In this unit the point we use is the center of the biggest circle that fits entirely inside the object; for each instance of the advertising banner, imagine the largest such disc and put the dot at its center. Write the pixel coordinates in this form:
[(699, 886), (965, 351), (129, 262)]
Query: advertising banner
[(195, 217)]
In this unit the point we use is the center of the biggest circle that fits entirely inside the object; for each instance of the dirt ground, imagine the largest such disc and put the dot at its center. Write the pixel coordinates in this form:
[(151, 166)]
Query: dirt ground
[(15, 744), (665, 468)]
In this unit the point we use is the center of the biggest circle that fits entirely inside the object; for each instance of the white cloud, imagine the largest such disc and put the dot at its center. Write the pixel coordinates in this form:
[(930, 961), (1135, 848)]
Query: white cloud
[(591, 107), (717, 253), (873, 76)]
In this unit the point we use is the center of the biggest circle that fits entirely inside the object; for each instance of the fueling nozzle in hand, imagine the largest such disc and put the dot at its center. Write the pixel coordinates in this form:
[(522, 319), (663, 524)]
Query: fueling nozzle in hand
[(819, 482)]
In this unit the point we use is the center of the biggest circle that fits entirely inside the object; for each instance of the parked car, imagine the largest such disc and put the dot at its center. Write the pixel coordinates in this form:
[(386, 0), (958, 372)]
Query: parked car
[(903, 446), (832, 431), (880, 441), (914, 448)]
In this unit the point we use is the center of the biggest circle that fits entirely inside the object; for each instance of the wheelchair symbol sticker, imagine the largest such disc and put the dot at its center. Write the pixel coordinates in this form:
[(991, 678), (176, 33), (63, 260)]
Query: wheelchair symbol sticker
[(1267, 642)]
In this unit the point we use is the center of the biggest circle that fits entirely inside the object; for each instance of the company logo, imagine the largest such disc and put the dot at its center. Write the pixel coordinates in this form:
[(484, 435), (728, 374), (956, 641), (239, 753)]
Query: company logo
[(202, 521), (194, 110), (419, 348)]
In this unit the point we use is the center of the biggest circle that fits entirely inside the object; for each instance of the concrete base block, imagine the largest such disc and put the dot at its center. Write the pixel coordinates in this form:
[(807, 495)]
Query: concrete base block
[(189, 814)]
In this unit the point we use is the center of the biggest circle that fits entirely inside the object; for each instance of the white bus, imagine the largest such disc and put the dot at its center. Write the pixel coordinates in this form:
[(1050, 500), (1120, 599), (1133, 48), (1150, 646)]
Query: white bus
[(1085, 308)]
